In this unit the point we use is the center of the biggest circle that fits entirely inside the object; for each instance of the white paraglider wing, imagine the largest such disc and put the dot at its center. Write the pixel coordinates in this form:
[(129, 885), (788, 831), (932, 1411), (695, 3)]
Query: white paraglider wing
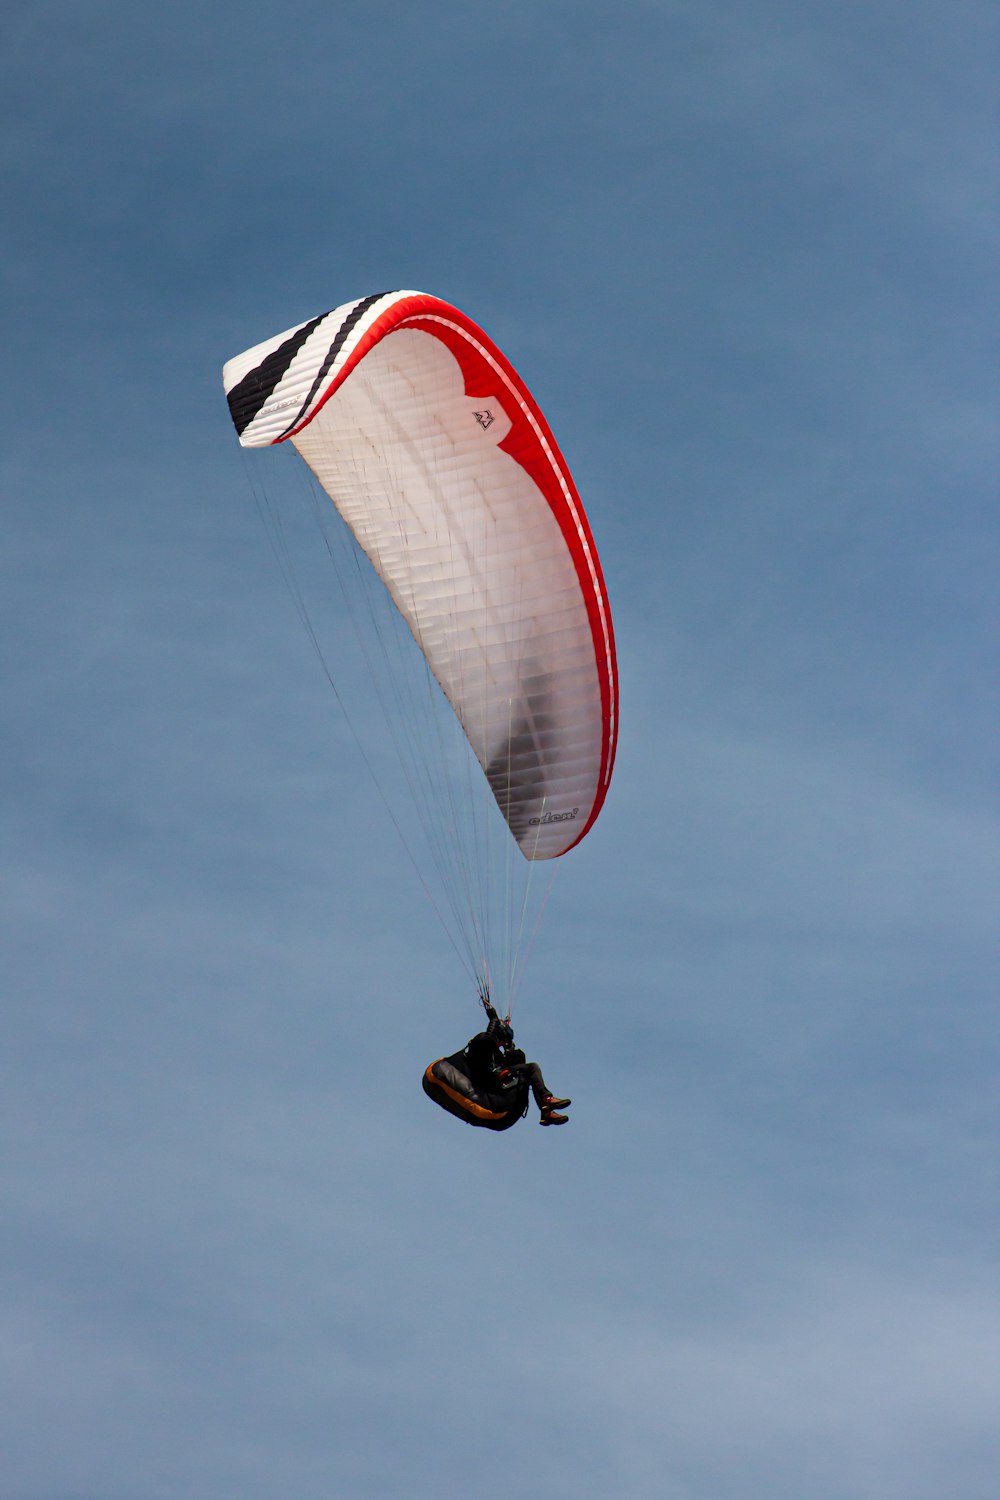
[(441, 463)]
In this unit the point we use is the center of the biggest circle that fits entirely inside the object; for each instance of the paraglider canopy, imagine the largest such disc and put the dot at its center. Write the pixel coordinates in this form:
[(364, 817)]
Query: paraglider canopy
[(443, 466)]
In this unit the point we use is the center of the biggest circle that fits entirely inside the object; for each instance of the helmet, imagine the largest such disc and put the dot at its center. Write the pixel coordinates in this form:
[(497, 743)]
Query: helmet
[(504, 1034)]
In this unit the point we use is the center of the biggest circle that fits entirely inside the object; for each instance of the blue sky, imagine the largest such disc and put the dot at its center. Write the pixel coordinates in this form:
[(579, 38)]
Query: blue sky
[(745, 256)]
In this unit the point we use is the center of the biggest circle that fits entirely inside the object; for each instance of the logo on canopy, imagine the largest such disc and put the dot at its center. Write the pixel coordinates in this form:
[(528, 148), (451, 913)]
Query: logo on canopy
[(554, 817), (484, 418)]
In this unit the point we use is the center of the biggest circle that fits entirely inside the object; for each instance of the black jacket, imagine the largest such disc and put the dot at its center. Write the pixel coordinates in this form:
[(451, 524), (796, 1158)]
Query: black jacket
[(487, 1063)]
